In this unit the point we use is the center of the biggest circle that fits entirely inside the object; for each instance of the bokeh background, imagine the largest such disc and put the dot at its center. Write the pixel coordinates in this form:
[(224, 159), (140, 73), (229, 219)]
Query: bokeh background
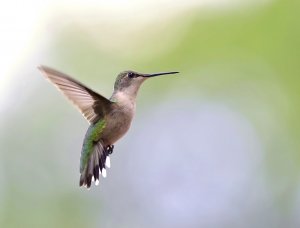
[(216, 146)]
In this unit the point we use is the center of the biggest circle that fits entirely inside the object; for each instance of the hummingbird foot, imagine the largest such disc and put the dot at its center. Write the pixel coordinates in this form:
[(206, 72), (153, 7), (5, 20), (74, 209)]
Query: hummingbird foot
[(110, 149)]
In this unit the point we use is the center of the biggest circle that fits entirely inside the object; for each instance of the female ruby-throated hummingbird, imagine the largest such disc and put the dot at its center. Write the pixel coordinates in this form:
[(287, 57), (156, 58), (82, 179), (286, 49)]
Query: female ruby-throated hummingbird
[(109, 119)]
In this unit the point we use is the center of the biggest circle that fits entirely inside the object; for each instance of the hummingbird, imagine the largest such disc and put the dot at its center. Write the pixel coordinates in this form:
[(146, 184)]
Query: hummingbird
[(109, 119)]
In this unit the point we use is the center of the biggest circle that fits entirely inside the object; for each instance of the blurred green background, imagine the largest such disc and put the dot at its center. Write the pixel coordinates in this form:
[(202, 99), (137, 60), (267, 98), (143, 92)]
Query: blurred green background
[(216, 146)]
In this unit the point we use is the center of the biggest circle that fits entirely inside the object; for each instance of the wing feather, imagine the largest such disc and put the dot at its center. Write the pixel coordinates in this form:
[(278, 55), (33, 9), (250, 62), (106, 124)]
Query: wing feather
[(91, 104)]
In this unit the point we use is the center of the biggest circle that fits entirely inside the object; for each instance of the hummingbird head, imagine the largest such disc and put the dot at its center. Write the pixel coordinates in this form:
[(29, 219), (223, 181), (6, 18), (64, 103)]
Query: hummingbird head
[(130, 81)]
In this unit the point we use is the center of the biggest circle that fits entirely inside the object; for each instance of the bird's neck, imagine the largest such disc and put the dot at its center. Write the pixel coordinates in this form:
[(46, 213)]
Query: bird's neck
[(123, 98)]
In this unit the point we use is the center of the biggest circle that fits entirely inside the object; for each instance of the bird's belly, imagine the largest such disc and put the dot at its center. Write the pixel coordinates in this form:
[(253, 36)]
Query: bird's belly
[(117, 124)]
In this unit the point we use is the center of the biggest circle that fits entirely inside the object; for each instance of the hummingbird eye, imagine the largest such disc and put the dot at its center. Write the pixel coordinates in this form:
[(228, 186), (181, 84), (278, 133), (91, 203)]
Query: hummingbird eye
[(130, 75)]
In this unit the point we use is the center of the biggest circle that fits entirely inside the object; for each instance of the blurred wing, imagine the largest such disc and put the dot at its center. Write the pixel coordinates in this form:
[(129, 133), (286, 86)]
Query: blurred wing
[(91, 104)]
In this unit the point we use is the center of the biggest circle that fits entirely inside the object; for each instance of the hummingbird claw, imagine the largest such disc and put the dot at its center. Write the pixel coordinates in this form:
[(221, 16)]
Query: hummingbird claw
[(110, 149)]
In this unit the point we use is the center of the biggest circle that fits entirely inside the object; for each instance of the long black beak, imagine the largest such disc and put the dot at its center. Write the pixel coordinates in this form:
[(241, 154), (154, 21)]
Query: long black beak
[(158, 74)]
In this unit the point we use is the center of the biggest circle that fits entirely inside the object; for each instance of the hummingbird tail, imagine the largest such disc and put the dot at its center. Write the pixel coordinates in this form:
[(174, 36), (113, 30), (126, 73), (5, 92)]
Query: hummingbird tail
[(95, 166)]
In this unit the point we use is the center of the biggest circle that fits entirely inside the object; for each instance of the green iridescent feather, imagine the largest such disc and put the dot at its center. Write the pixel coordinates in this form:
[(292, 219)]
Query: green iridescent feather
[(92, 136)]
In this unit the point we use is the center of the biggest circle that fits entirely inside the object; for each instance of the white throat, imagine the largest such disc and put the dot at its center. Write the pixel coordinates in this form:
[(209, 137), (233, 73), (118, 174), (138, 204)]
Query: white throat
[(124, 99)]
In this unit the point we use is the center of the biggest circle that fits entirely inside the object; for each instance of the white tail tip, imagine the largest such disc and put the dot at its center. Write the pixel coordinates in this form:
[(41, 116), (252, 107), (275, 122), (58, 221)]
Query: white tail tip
[(107, 162), (104, 172)]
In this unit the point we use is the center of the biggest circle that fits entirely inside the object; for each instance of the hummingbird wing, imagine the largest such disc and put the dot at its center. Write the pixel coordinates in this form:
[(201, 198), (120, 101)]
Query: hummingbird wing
[(91, 104)]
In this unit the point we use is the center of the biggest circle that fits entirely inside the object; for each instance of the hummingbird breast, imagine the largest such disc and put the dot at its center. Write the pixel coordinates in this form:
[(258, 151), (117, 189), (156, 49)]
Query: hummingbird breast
[(118, 121)]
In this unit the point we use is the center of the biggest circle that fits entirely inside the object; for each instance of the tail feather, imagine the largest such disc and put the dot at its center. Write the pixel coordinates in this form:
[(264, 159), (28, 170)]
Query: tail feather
[(95, 166)]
